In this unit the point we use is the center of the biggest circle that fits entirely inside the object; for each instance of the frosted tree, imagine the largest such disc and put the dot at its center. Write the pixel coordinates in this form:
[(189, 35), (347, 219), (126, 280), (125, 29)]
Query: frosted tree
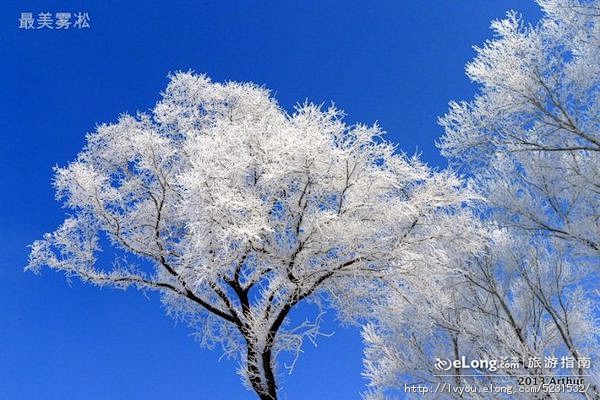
[(525, 308), (532, 135), (530, 140), (236, 212)]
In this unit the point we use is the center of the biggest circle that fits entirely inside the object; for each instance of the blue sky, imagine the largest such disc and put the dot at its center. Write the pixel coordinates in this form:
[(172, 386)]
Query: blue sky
[(395, 62)]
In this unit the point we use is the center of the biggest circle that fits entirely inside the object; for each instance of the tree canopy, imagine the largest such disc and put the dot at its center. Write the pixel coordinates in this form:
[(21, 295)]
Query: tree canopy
[(530, 143)]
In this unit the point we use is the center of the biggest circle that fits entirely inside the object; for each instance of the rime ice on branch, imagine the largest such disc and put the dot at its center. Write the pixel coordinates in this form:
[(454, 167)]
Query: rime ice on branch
[(530, 140), (238, 211)]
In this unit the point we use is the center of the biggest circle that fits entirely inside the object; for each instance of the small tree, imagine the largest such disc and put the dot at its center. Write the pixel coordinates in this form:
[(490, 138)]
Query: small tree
[(237, 211)]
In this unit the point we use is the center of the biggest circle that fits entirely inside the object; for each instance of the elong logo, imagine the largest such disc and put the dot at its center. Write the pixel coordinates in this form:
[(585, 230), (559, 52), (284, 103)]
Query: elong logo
[(445, 364)]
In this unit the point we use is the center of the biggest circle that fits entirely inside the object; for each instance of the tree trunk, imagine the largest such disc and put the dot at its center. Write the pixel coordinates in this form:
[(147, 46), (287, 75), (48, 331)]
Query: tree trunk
[(265, 390)]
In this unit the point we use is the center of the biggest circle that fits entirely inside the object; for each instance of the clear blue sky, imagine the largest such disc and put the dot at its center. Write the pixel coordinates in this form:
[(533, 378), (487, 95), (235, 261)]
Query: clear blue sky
[(396, 62)]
